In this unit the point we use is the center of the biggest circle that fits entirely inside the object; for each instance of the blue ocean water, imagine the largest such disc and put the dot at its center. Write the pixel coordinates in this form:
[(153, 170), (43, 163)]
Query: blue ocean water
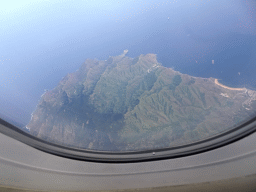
[(41, 43)]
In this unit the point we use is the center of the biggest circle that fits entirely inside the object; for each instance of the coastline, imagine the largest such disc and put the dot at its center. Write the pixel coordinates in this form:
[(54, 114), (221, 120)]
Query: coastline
[(216, 81)]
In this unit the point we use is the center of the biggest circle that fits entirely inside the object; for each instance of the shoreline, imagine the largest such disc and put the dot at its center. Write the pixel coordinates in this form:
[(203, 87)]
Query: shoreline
[(216, 81)]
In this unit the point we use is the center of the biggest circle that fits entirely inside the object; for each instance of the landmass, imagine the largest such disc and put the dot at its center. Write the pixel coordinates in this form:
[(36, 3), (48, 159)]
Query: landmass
[(131, 104)]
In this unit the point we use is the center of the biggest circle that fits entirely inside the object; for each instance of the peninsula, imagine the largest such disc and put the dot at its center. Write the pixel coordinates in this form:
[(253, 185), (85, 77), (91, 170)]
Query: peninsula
[(133, 104)]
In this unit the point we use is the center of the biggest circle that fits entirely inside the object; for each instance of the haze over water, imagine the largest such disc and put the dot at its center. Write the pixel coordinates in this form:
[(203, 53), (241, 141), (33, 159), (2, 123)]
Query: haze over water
[(42, 41)]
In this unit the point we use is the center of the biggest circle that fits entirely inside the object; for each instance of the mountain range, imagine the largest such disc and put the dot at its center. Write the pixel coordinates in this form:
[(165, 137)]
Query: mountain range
[(132, 104)]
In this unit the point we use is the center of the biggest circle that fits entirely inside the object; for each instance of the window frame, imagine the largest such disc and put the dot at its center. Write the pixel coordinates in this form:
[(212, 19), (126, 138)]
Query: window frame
[(212, 143)]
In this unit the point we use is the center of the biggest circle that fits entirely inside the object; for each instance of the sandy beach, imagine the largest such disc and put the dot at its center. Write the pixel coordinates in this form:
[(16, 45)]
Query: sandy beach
[(230, 88)]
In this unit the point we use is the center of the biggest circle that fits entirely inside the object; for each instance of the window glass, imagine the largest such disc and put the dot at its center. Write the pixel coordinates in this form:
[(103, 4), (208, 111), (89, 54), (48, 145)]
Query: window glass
[(127, 75)]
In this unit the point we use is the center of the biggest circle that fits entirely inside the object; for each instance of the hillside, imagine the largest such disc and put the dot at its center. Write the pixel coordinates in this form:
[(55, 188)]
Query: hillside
[(127, 104)]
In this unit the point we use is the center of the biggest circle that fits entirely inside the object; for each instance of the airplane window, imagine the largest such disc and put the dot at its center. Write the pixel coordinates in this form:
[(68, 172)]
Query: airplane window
[(127, 76)]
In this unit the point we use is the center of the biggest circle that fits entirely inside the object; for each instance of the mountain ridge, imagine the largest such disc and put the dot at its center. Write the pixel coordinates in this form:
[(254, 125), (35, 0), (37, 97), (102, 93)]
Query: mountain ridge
[(127, 104)]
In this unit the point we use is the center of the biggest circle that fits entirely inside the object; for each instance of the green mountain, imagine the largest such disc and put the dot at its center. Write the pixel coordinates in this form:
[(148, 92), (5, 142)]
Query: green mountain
[(127, 104)]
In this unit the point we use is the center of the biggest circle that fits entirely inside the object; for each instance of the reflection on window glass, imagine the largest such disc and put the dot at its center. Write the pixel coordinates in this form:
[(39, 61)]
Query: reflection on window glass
[(128, 75)]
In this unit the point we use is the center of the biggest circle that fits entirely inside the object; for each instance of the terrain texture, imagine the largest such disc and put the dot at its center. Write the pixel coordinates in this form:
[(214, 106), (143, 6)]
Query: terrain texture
[(131, 104)]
